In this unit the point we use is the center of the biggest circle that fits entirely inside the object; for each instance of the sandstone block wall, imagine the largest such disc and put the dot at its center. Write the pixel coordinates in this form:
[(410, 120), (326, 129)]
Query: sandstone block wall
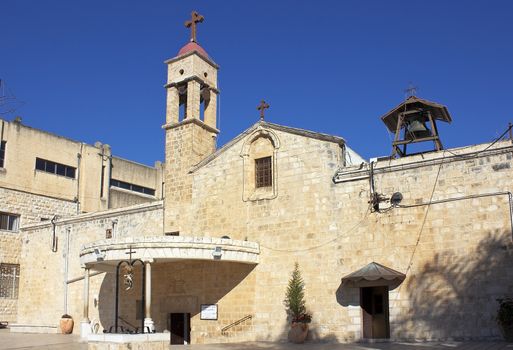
[(451, 237), (43, 290), (455, 254), (181, 287), (31, 208)]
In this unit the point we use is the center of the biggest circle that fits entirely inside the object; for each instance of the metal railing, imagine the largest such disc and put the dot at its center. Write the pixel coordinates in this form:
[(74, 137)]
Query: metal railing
[(245, 318)]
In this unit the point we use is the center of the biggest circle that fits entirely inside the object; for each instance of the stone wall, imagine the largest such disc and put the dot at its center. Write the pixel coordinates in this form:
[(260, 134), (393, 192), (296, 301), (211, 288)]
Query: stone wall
[(31, 208), (182, 287), (43, 290), (451, 236), (455, 254)]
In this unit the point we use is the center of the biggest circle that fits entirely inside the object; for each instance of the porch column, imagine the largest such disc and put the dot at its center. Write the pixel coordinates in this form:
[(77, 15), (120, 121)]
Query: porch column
[(85, 325), (148, 322)]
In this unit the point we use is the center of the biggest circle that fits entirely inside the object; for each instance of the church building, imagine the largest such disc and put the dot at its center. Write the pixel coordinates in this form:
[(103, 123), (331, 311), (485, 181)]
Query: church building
[(200, 248)]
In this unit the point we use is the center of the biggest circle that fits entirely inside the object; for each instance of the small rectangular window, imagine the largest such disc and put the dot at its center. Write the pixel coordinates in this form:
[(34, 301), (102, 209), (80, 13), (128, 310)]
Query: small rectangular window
[(2, 154), (50, 167), (9, 280), (40, 164), (9, 222), (55, 168), (61, 169), (70, 172), (263, 172), (132, 187)]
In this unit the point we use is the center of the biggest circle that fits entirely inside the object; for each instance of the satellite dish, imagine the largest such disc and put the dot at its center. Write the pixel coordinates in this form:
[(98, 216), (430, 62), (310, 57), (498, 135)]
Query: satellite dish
[(396, 198)]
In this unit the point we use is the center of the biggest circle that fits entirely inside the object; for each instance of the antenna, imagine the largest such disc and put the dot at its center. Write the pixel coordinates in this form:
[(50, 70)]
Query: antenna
[(9, 103)]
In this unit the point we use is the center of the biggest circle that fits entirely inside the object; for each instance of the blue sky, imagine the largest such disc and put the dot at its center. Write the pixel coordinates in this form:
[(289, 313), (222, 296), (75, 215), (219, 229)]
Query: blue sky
[(93, 70)]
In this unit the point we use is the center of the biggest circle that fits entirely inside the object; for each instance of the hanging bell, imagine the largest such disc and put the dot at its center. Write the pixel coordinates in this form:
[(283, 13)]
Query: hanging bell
[(416, 128)]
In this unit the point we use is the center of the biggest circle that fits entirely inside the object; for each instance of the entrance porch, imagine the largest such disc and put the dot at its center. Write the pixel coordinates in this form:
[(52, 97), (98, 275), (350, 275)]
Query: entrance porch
[(162, 297)]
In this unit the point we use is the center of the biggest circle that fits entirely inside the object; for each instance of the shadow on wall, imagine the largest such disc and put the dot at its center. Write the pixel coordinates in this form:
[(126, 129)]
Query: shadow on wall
[(454, 295), (176, 287)]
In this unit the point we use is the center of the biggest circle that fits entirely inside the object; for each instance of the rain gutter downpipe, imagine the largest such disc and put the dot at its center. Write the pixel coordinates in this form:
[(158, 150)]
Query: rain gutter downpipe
[(54, 235)]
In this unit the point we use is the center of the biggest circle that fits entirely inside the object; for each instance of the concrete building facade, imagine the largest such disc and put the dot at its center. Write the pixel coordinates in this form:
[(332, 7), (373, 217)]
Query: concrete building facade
[(211, 259), (45, 178)]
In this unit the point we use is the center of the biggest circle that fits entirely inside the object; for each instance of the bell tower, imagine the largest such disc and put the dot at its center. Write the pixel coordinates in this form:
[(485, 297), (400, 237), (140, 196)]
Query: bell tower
[(191, 116), (414, 121)]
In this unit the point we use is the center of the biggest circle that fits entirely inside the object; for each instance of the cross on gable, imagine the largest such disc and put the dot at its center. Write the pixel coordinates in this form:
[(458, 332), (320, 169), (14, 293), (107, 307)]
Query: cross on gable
[(130, 251), (195, 18), (262, 107)]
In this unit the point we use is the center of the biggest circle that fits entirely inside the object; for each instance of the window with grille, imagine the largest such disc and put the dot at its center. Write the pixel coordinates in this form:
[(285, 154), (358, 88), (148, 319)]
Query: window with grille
[(9, 280), (9, 222), (2, 154), (55, 168), (263, 172)]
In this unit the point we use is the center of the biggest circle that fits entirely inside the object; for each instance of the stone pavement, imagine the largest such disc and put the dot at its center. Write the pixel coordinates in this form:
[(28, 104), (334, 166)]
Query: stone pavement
[(20, 341), (23, 341)]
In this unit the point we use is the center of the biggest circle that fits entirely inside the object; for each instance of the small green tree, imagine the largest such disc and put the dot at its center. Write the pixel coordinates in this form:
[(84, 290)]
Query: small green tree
[(295, 298)]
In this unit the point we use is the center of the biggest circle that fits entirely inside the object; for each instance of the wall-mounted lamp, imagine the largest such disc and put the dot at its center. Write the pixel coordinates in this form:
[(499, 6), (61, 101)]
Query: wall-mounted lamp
[(99, 254), (217, 253)]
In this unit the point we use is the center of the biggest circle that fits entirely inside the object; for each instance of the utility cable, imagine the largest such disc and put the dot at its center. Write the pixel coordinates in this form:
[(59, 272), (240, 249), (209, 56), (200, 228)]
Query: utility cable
[(325, 243)]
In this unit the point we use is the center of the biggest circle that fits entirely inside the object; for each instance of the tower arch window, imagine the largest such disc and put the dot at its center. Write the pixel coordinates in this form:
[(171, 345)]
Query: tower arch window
[(182, 102)]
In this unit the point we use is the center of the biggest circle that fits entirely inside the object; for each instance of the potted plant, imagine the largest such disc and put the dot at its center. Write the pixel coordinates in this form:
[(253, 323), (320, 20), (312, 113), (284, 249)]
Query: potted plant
[(505, 318), (296, 309), (66, 324)]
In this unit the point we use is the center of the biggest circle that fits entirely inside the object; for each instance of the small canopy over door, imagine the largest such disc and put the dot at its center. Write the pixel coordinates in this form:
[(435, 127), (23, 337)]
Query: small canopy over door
[(373, 275), (374, 281)]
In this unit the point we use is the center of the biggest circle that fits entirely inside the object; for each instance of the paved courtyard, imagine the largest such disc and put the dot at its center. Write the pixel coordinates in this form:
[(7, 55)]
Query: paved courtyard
[(19, 341)]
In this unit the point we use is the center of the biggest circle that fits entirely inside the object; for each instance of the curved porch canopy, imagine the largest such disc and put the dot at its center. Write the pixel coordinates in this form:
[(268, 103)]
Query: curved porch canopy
[(105, 254), (373, 275)]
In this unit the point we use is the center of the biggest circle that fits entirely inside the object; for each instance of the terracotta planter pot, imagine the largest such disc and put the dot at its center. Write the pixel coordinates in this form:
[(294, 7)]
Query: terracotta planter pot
[(298, 332), (66, 325), (507, 332)]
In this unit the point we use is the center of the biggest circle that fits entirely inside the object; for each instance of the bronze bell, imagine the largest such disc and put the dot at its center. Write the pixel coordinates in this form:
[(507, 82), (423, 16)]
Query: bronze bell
[(416, 128)]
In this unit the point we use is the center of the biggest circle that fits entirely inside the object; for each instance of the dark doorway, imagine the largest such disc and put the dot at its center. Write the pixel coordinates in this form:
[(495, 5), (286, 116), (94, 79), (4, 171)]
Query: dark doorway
[(180, 327), (374, 304)]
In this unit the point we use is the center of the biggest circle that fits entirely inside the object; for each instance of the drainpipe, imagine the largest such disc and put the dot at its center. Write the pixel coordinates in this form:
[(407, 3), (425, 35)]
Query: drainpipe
[(2, 132), (54, 235), (79, 159), (65, 255)]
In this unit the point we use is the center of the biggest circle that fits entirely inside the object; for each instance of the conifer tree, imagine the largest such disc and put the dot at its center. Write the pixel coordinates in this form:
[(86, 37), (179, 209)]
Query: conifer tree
[(294, 299)]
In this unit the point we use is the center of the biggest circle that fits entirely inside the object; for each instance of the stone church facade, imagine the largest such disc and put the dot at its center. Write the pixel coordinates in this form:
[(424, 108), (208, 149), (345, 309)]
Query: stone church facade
[(218, 243)]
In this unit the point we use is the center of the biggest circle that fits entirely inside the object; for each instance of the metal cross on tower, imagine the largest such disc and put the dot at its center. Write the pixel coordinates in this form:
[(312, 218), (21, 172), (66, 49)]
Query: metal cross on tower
[(195, 18), (262, 107)]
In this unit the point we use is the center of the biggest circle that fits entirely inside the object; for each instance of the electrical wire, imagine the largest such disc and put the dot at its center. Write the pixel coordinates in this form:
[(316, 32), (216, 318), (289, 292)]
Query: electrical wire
[(487, 147), (324, 243)]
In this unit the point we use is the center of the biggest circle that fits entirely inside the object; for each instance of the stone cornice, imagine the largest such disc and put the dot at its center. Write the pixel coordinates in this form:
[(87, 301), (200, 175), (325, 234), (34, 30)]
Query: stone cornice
[(193, 78), (362, 172), (203, 57), (266, 125), (105, 253), (188, 121), (96, 215)]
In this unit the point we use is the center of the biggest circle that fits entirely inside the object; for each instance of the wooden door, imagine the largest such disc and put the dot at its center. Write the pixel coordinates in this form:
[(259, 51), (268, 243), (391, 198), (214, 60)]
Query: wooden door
[(374, 304), (180, 327)]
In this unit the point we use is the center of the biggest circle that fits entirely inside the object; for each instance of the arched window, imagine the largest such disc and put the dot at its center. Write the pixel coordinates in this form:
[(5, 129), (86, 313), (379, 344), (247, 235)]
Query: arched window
[(259, 155)]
